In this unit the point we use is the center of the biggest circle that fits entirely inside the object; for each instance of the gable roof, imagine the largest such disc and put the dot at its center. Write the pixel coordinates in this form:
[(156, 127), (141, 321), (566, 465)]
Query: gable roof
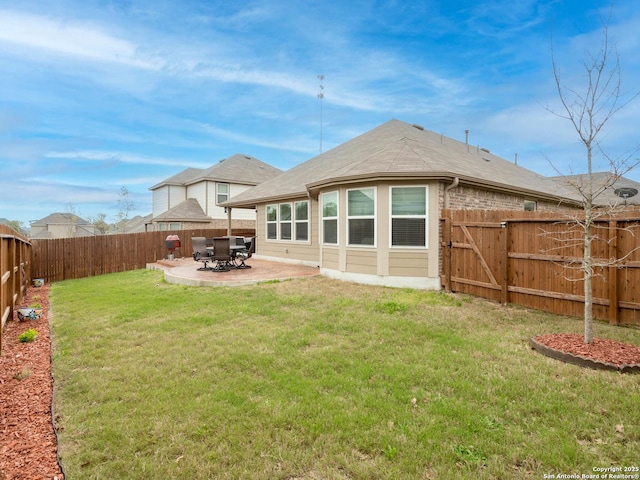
[(397, 150), (186, 211), (605, 185), (60, 219), (239, 169)]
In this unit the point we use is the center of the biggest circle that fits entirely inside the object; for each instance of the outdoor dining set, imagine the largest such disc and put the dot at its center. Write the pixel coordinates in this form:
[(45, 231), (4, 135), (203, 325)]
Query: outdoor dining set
[(224, 253)]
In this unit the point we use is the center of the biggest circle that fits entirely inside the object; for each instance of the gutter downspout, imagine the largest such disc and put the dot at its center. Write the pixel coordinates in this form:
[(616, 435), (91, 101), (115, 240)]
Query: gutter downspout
[(447, 189)]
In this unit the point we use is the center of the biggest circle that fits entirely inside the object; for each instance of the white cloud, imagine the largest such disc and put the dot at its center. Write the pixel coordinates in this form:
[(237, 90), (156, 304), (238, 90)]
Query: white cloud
[(97, 155), (67, 38)]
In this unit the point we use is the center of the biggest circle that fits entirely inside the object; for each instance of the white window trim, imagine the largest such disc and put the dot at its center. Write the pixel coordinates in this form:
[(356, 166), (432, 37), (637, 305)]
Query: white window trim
[(268, 222), (281, 222), (228, 193), (323, 218), (277, 222), (296, 222), (374, 216), (426, 217)]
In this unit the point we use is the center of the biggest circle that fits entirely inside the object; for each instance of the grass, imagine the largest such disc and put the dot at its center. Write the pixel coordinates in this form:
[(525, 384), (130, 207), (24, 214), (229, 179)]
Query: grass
[(319, 379)]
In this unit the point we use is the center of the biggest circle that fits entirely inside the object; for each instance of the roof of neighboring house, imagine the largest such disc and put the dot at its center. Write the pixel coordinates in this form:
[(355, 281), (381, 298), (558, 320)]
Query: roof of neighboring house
[(60, 219), (397, 150), (187, 211), (239, 168), (608, 188)]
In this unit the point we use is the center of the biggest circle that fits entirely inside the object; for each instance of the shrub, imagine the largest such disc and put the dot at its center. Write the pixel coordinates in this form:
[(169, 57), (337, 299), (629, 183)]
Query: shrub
[(28, 335)]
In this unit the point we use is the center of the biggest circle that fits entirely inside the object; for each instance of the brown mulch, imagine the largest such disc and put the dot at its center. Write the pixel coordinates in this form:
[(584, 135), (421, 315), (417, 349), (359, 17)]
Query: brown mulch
[(28, 445), (28, 449), (600, 350)]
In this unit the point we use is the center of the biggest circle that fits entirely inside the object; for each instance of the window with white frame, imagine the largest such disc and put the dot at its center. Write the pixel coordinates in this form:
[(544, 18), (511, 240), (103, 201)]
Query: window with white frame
[(408, 216), (272, 222), (285, 221), (288, 221), (361, 219), (330, 218), (222, 192), (301, 215), (530, 206)]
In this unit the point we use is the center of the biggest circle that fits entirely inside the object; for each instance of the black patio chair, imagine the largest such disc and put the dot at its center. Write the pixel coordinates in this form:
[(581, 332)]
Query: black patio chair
[(221, 254), (200, 252), (244, 254)]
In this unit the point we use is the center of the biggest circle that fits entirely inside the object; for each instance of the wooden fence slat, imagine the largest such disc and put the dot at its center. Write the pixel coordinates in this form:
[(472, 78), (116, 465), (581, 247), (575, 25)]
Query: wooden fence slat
[(537, 261)]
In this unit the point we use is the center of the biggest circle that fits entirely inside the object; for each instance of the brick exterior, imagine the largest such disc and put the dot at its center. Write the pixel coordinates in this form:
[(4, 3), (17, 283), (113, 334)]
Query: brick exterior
[(469, 198)]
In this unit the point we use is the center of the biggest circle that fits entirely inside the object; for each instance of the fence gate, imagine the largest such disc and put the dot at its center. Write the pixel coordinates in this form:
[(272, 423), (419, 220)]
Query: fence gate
[(473, 258)]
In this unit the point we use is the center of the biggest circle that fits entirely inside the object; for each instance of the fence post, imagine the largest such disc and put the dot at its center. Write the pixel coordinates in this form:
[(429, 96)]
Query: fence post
[(504, 270), (613, 273), (446, 248)]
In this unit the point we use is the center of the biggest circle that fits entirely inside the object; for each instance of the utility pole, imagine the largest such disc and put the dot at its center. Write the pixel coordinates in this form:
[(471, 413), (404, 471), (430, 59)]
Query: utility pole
[(321, 97)]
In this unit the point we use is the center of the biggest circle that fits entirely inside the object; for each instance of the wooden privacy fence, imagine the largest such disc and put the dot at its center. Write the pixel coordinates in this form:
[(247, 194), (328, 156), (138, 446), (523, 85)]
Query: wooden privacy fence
[(15, 272), (534, 259), (67, 258)]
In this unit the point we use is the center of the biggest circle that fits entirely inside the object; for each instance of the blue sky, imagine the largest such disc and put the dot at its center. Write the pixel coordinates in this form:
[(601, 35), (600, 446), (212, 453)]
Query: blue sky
[(97, 95)]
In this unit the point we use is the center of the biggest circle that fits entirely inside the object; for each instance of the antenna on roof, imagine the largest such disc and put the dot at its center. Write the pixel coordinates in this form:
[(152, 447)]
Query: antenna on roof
[(321, 97)]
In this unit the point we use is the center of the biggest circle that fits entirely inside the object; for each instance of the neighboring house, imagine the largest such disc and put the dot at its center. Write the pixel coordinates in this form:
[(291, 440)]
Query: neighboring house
[(608, 190), (192, 198), (368, 210), (62, 225)]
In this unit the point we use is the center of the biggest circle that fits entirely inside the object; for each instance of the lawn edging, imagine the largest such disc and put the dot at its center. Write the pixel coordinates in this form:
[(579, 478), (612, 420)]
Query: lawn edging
[(581, 361)]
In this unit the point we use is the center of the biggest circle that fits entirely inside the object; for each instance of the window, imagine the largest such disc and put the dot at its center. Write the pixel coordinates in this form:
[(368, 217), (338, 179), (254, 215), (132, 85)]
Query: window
[(301, 221), (408, 216), (361, 207), (288, 221), (285, 221), (330, 218), (272, 222), (174, 226), (222, 192), (530, 206)]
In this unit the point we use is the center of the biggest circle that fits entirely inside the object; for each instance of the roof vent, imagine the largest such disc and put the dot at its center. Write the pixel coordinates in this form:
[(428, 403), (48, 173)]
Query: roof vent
[(486, 159), (485, 150), (222, 160), (419, 127)]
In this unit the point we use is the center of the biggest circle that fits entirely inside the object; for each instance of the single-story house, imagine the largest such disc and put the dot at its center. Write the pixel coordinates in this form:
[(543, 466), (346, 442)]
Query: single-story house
[(608, 190), (192, 198), (368, 210)]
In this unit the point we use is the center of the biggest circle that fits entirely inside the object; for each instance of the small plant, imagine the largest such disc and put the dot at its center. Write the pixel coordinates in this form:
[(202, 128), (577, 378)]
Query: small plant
[(469, 454), (391, 307), (35, 305), (23, 374), (28, 335)]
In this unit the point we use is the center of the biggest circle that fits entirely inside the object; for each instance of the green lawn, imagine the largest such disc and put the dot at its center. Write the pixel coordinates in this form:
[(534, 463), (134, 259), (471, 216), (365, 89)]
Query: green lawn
[(320, 379)]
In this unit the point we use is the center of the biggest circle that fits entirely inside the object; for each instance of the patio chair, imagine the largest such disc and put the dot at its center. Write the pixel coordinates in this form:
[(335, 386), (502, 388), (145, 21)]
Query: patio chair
[(246, 253), (221, 255), (200, 252)]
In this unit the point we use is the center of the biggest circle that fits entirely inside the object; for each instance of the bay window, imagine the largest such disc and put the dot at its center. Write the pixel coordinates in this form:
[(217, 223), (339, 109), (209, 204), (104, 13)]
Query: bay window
[(330, 218), (361, 208), (408, 216)]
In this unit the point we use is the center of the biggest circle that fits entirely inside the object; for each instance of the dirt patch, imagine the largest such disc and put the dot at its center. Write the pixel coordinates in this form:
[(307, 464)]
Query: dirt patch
[(29, 446)]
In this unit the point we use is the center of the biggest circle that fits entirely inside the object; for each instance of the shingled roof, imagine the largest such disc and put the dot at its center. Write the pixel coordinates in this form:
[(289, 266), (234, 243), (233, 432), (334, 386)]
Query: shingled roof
[(187, 211), (239, 168), (605, 186), (397, 150)]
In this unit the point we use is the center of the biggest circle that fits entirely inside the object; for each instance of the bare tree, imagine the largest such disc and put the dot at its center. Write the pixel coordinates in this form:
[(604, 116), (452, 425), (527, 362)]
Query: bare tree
[(125, 206), (589, 109)]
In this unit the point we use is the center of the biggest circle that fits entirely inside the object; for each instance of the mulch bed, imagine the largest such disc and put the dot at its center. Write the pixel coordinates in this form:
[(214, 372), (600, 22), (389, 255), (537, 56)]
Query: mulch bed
[(29, 445), (599, 354), (28, 449)]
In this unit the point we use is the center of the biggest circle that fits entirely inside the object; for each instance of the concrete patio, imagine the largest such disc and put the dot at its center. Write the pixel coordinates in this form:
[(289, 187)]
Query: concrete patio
[(184, 271)]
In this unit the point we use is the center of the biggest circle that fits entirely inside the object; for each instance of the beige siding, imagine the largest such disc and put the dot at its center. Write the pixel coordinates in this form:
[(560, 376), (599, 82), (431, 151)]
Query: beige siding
[(362, 261), (331, 258), (409, 263), (199, 192), (177, 195), (289, 250), (160, 200)]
